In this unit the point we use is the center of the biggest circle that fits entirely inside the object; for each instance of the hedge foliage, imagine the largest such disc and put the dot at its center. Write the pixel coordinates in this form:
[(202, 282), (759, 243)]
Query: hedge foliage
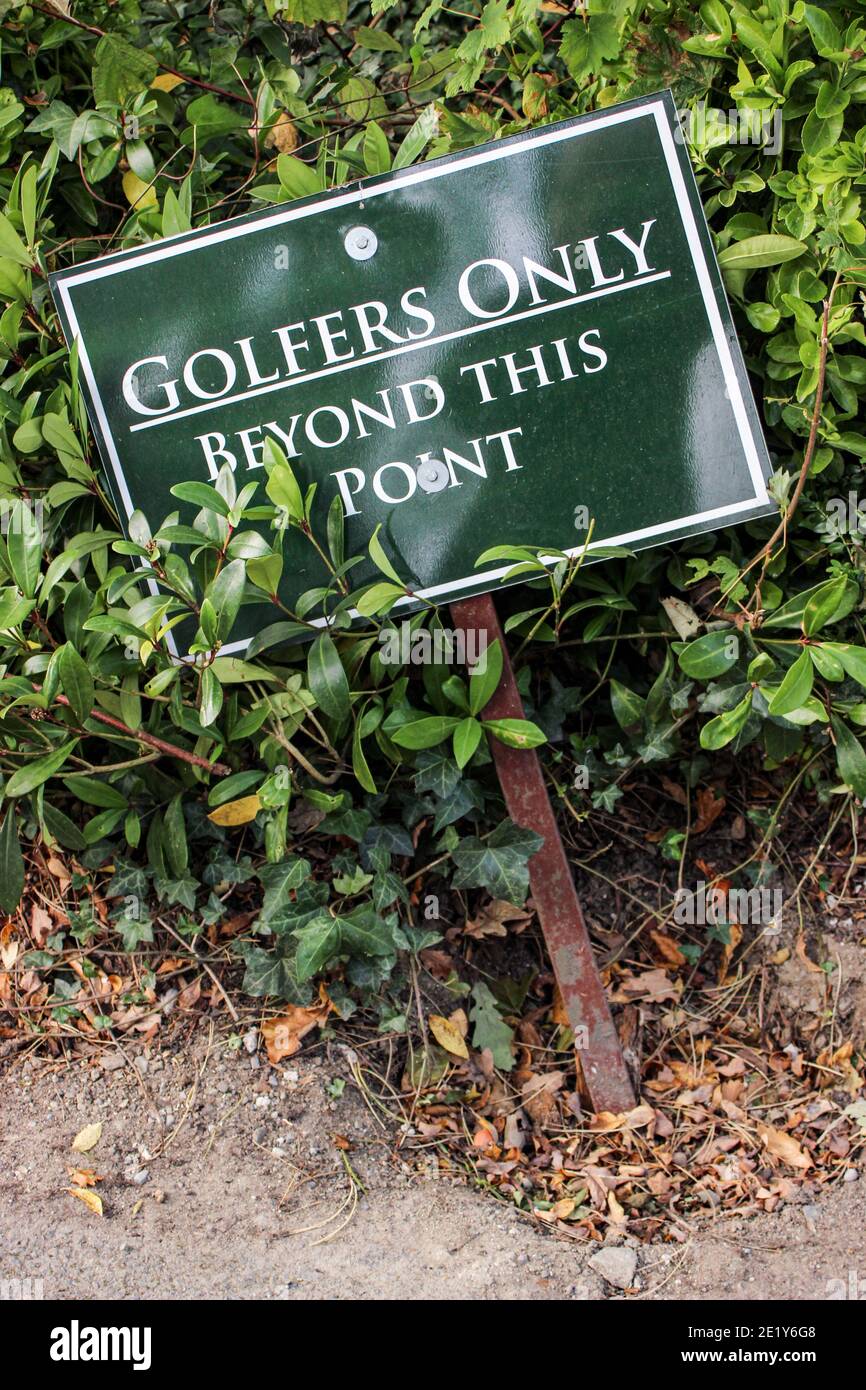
[(124, 122)]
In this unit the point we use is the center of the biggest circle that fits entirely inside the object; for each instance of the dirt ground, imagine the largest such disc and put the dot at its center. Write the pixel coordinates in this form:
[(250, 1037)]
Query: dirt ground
[(225, 1178)]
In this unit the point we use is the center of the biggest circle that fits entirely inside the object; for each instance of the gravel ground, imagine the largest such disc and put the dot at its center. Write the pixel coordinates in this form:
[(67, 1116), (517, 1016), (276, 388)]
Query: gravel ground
[(224, 1178)]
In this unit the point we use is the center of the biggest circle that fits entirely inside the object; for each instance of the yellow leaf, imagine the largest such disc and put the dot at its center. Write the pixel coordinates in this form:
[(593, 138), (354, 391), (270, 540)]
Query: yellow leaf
[(90, 1199), (87, 1138), (238, 812), (138, 193), (448, 1036), (167, 81), (283, 135)]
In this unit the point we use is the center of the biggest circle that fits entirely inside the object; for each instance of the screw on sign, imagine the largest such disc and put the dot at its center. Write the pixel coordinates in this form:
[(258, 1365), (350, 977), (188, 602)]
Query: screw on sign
[(473, 365)]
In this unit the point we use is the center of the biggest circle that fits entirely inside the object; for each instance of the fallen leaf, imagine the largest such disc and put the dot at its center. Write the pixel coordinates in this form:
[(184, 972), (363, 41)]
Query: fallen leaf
[(83, 1177), (41, 924), (283, 1035), (87, 1138), (90, 1199), (783, 1146), (448, 1035), (492, 918), (710, 807), (668, 949)]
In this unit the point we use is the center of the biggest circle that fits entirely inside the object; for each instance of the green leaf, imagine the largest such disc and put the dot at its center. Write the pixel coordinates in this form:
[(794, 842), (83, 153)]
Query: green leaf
[(710, 656), (76, 680), (379, 598), (282, 485), (281, 882), (200, 495), (11, 864), (377, 155), (24, 544), (484, 676), (499, 863), (425, 732), (380, 559), (318, 943), (726, 726), (627, 706), (174, 837), (417, 138), (792, 612), (94, 792), (823, 604), (757, 251), (360, 766), (33, 774), (795, 688), (120, 71), (62, 828), (11, 245), (211, 701), (516, 733), (825, 35), (467, 737), (851, 659), (850, 758), (297, 179), (489, 1029), (226, 593), (327, 678)]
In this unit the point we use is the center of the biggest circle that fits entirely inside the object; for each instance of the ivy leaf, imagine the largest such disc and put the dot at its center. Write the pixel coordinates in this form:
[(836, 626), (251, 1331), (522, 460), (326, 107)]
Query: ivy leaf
[(489, 1028), (366, 934), (281, 882), (318, 943), (272, 972), (120, 71), (499, 863)]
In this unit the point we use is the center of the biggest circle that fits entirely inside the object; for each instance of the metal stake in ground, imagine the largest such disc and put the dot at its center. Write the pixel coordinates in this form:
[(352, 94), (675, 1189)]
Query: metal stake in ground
[(553, 890)]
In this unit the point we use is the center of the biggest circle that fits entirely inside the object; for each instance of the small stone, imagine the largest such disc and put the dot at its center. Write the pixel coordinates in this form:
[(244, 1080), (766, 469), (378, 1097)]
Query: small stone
[(140, 1177), (113, 1062), (262, 1102), (260, 1135), (140, 1065), (616, 1264), (251, 1041), (811, 1212), (851, 1175)]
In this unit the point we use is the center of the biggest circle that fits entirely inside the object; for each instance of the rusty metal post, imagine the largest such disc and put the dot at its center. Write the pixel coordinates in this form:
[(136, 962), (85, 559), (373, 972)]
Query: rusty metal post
[(553, 891)]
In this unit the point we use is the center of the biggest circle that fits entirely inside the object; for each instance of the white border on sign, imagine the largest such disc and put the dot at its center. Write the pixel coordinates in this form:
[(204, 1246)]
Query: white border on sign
[(172, 246)]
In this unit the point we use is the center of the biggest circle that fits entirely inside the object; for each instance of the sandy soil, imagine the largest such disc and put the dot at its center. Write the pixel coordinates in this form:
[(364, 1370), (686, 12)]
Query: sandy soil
[(222, 1179)]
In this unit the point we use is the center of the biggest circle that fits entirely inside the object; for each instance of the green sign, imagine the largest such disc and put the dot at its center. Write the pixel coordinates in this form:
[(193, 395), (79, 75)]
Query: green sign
[(499, 347)]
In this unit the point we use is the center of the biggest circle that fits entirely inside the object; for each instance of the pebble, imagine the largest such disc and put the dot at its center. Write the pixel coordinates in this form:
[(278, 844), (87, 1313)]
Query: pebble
[(251, 1041), (616, 1264), (140, 1177), (141, 1065), (851, 1175)]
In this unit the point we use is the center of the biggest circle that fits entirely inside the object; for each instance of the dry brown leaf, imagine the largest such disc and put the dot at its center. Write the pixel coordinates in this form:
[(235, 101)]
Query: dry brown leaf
[(283, 1035), (90, 1199), (239, 812), (41, 924), (784, 1146), (710, 807), (283, 135), (448, 1035), (87, 1138), (668, 949), (492, 918)]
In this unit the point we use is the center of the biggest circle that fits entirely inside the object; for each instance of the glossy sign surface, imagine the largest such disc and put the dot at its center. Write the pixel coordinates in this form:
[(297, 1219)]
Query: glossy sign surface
[(491, 348)]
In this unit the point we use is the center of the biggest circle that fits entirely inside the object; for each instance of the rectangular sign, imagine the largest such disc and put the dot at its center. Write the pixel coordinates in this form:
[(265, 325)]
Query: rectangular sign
[(491, 348)]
